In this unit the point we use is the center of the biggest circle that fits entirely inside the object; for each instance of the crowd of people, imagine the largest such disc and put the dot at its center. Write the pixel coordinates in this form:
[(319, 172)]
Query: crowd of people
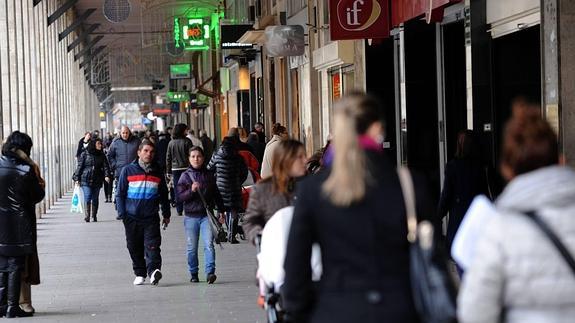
[(348, 200)]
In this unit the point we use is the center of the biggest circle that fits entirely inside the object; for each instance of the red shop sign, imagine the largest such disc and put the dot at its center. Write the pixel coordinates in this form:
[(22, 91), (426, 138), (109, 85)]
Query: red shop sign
[(405, 10), (358, 19)]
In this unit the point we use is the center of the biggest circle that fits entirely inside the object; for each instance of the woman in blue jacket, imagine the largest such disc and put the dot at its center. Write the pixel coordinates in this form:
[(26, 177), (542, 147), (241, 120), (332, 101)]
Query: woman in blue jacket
[(194, 181)]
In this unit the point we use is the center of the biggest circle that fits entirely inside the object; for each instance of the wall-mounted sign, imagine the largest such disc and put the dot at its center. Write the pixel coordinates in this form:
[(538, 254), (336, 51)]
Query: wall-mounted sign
[(358, 19), (230, 35), (178, 96), (405, 10), (180, 71), (336, 86), (284, 41), (192, 33), (162, 111)]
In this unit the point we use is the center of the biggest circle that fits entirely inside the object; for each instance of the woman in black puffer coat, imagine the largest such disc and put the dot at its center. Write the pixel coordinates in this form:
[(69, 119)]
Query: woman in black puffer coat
[(92, 170), (231, 172)]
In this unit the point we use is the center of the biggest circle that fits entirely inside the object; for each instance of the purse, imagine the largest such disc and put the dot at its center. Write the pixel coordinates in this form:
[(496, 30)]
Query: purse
[(433, 288)]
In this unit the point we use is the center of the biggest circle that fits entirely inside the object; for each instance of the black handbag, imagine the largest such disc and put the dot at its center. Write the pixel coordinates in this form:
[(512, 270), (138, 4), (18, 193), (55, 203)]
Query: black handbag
[(433, 287), (218, 231)]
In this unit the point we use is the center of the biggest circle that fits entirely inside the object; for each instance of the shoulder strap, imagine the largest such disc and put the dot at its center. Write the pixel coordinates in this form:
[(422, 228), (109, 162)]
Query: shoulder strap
[(553, 237), (409, 198)]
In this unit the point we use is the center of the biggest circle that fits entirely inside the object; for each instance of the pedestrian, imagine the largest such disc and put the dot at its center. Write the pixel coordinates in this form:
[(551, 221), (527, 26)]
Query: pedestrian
[(465, 178), (276, 191), (141, 191), (517, 274), (123, 151), (355, 212), (207, 144), (195, 140), (92, 171), (246, 152), (83, 144), (177, 160), (22, 187), (231, 172), (279, 133), (164, 139), (257, 147), (194, 181), (259, 130)]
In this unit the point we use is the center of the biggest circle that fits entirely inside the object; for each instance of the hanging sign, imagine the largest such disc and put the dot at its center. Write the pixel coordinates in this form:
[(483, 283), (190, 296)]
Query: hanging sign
[(192, 33), (282, 41), (358, 19), (336, 86)]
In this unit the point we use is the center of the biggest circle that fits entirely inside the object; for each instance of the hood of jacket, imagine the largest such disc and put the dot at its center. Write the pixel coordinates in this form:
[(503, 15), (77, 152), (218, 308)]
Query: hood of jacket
[(228, 148), (547, 187)]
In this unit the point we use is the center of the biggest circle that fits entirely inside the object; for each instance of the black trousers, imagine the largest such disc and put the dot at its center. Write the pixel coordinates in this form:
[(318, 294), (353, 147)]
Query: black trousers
[(107, 189), (143, 240)]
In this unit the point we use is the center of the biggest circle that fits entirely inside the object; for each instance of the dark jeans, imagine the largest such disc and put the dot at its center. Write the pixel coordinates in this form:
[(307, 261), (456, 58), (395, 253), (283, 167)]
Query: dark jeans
[(8, 264), (144, 240), (176, 174), (91, 195)]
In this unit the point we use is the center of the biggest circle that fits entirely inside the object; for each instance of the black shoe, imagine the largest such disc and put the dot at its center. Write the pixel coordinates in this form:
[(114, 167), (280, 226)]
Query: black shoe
[(180, 213), (173, 204), (119, 218), (194, 278), (16, 311), (234, 241), (155, 277), (211, 278), (3, 309)]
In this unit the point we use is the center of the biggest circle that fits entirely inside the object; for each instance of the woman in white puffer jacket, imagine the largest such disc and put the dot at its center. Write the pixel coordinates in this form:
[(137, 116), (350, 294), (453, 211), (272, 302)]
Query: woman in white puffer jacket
[(518, 275)]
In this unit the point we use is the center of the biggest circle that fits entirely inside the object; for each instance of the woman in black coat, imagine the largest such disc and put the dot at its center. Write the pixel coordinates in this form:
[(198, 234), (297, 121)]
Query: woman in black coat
[(93, 169), (355, 212), (465, 178), (231, 172), (21, 187)]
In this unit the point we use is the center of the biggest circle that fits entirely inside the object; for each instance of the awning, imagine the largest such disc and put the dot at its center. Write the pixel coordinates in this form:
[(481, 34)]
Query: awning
[(405, 10), (253, 37)]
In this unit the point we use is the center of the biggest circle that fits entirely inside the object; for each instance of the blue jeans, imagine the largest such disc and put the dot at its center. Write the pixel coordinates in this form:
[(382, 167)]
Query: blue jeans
[(194, 226), (91, 195), (176, 174)]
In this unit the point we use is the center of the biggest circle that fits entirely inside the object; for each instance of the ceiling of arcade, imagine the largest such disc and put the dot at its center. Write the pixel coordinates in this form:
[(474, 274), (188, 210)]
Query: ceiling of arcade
[(138, 40)]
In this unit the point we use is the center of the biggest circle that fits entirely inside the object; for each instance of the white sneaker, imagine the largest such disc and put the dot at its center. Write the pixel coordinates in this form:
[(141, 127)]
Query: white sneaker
[(139, 280), (155, 277)]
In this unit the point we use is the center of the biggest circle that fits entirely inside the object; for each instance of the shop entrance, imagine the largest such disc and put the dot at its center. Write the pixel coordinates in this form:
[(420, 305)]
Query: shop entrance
[(516, 70)]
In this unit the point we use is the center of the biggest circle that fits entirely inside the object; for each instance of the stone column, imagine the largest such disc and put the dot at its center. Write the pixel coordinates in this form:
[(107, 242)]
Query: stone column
[(558, 55)]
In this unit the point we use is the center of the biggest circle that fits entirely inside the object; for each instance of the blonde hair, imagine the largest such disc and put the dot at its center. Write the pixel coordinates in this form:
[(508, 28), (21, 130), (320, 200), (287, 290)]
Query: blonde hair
[(349, 177)]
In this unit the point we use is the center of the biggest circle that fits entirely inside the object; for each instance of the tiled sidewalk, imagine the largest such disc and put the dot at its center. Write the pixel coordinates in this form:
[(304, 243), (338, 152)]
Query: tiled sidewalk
[(87, 276)]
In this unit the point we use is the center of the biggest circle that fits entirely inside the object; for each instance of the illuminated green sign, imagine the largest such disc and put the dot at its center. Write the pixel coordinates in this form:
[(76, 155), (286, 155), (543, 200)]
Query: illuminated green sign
[(178, 96), (180, 71), (192, 33)]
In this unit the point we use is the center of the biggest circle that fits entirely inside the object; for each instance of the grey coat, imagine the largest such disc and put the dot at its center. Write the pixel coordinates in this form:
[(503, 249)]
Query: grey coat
[(517, 275), (122, 152), (263, 203)]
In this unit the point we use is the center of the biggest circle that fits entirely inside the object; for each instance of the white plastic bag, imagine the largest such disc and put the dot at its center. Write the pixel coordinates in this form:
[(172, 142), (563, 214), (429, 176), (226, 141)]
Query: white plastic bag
[(77, 200)]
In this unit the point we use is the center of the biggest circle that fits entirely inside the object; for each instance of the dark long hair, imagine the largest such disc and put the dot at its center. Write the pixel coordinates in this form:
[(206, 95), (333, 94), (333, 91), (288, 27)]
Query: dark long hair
[(180, 130), (17, 140)]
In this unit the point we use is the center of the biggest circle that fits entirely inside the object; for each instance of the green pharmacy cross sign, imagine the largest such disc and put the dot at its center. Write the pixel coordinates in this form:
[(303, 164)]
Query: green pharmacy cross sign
[(192, 33)]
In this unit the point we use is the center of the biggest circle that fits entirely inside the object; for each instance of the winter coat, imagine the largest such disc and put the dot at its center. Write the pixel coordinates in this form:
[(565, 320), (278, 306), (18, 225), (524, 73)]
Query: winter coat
[(92, 168), (20, 190), (122, 153), (193, 205), (517, 274), (268, 156), (258, 148), (177, 154), (364, 248), (263, 203), (140, 194), (231, 172), (162, 151), (464, 179)]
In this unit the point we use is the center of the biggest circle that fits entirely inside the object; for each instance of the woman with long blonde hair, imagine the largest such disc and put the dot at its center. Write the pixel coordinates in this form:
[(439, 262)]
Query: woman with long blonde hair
[(355, 211)]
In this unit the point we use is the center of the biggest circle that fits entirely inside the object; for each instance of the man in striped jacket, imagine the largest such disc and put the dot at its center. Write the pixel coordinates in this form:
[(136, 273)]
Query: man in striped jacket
[(141, 191)]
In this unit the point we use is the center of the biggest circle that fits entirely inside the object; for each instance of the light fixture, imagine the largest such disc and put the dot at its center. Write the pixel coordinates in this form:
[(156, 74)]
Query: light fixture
[(131, 88)]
